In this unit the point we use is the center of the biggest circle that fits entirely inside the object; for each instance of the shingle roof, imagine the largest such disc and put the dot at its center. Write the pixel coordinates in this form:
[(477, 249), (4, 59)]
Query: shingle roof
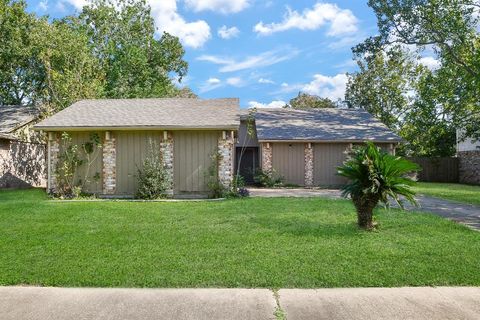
[(13, 117), (173, 113), (327, 124)]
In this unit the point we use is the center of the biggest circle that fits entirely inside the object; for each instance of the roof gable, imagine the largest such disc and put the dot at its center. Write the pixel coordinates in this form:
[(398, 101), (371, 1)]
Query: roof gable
[(328, 124), (165, 113)]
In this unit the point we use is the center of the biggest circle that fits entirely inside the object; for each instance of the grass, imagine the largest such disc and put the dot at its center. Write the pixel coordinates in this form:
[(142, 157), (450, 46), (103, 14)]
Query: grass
[(450, 191), (272, 243)]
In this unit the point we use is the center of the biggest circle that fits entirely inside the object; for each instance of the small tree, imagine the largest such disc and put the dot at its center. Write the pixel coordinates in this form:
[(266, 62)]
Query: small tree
[(68, 162), (375, 176), (153, 181)]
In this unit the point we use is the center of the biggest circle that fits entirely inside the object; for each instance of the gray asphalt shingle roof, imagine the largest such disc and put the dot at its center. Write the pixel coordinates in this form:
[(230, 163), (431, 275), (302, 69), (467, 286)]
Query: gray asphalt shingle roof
[(13, 117), (146, 113), (328, 124)]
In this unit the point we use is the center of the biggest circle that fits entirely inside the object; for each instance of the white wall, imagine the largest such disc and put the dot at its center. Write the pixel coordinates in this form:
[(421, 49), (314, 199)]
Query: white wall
[(467, 144)]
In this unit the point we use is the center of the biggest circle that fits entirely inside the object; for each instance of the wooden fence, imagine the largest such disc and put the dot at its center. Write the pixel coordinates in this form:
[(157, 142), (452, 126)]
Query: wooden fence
[(437, 169)]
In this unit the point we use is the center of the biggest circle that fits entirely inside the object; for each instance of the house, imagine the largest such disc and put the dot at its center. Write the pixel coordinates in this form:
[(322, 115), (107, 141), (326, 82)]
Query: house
[(22, 154), (304, 146), (468, 153)]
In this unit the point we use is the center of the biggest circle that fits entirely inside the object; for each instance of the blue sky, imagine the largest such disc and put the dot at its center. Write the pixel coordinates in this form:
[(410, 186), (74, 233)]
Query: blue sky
[(263, 52)]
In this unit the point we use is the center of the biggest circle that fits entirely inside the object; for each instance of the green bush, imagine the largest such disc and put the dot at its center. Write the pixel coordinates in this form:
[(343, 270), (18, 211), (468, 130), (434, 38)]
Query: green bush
[(153, 181), (268, 178)]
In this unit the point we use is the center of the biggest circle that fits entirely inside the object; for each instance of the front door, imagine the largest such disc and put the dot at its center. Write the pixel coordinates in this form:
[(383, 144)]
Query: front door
[(248, 163)]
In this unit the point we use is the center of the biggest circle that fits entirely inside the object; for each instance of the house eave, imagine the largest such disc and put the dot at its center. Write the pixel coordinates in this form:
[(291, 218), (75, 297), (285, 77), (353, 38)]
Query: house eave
[(328, 141), (134, 128)]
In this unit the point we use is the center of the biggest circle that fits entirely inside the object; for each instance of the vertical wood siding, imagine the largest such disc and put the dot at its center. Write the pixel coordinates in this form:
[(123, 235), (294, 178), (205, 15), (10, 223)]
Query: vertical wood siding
[(132, 147), (93, 185), (192, 152), (327, 157), (288, 159)]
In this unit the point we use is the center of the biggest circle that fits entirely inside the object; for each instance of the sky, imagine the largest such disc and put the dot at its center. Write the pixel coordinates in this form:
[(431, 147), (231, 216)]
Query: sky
[(263, 52)]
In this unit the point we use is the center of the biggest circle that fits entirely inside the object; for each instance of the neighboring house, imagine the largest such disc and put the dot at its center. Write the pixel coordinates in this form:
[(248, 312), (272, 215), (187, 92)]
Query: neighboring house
[(468, 153), (304, 146), (22, 154)]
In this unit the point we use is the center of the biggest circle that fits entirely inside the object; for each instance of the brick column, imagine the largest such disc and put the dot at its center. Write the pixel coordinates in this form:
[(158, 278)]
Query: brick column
[(308, 165), (225, 167), (53, 154), (109, 164), (166, 150), (266, 156)]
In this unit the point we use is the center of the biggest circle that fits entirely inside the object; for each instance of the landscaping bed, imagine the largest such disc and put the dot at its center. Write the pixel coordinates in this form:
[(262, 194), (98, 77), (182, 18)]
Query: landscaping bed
[(253, 242)]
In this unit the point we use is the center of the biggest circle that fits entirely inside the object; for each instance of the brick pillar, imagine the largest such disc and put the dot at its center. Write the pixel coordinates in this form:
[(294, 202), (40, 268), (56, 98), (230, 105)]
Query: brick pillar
[(166, 149), (469, 166), (308, 165), (109, 164), (266, 156), (225, 167), (53, 154)]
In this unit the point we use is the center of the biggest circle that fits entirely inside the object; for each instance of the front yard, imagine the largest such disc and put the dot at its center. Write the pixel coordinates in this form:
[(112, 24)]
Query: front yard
[(254, 242), (450, 191)]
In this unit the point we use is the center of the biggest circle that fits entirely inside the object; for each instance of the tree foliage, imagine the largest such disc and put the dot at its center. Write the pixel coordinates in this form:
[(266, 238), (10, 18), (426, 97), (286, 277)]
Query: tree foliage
[(308, 101), (425, 106), (109, 50)]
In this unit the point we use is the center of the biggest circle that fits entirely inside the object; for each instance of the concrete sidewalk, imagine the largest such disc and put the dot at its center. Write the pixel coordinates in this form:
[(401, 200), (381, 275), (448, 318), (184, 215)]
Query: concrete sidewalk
[(32, 303)]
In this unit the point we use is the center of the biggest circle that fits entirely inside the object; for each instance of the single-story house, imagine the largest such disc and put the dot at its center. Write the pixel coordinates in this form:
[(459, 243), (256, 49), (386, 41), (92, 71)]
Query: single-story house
[(22, 153), (304, 146), (468, 153)]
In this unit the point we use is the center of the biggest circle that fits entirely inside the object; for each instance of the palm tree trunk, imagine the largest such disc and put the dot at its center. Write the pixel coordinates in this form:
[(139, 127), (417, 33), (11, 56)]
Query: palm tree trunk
[(365, 206)]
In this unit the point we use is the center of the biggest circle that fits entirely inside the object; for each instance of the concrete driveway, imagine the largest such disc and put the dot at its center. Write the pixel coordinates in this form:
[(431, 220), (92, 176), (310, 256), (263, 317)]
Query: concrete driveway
[(34, 303), (456, 211)]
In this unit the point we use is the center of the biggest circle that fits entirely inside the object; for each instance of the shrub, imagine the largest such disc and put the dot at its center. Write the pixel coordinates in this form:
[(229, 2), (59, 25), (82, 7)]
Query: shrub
[(238, 189), (152, 178), (216, 189), (375, 176), (268, 178)]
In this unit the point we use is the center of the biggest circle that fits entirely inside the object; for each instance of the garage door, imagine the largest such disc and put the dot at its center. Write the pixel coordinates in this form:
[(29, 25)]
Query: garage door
[(327, 157), (192, 157), (132, 147), (288, 159)]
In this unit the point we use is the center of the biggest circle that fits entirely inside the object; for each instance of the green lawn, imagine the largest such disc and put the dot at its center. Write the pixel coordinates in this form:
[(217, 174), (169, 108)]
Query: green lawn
[(450, 191), (254, 242)]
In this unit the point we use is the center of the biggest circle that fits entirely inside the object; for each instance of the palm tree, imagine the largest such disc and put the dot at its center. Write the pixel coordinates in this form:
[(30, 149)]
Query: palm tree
[(375, 176)]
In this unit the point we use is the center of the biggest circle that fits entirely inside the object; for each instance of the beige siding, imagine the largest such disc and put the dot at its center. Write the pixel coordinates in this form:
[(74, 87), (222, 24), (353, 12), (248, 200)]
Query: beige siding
[(288, 159), (92, 185), (327, 157), (192, 157), (132, 147)]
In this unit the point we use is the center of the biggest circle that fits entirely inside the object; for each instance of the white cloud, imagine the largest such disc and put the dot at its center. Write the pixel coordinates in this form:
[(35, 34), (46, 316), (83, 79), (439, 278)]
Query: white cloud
[(324, 86), (273, 104), (210, 84), (222, 6), (430, 62), (235, 81), (341, 21), (264, 59), (192, 34), (265, 81), (213, 81), (43, 5), (327, 87), (227, 33)]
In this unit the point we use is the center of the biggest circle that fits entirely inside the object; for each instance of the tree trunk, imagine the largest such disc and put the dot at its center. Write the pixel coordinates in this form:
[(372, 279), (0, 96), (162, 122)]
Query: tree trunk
[(365, 206)]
